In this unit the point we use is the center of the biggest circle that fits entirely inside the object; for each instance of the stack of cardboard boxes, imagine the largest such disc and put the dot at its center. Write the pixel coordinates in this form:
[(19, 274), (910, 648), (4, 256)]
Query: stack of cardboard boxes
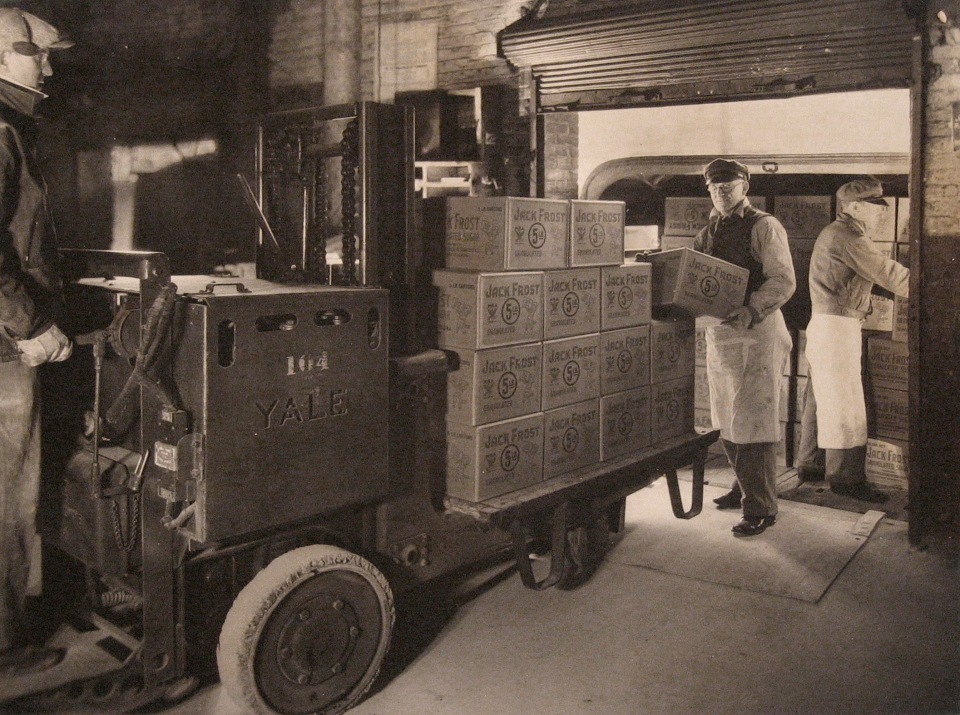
[(803, 217), (552, 333), (886, 366)]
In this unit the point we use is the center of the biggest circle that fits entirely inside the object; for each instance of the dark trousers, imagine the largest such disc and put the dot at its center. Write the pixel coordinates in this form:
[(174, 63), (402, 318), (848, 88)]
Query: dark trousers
[(839, 466), (755, 466)]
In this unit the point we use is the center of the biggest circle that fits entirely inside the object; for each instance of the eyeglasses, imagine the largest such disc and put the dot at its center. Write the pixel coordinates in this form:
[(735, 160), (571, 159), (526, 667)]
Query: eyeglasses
[(724, 187)]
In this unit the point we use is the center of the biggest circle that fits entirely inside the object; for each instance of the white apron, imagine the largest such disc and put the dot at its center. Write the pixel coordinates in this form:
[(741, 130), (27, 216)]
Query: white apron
[(833, 351), (744, 371)]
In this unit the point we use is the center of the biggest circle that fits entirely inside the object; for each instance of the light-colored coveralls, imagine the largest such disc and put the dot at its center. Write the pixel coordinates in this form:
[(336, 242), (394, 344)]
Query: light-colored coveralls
[(844, 267), (745, 367)]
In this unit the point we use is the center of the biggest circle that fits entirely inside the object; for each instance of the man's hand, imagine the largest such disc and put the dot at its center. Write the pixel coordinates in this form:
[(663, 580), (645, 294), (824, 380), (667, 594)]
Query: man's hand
[(742, 318), (50, 346)]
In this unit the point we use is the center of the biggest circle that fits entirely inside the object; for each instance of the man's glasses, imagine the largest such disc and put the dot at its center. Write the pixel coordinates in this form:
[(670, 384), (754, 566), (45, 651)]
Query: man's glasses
[(724, 187)]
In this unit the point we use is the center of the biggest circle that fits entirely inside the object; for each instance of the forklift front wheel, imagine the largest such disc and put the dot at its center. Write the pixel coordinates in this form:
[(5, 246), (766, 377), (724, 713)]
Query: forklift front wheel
[(307, 634)]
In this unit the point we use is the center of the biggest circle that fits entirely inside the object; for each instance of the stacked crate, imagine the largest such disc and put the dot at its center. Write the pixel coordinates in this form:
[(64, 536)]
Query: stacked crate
[(886, 363), (803, 217), (531, 291)]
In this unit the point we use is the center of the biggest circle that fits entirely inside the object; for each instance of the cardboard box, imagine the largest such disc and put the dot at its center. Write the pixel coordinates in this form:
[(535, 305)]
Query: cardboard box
[(888, 412), (624, 422), (501, 233), (669, 243), (901, 320), (791, 398), (672, 346), (571, 302), (596, 233), (885, 230), (888, 463), (701, 389), (493, 459), (571, 370), (625, 298), (700, 344), (803, 216), (903, 254), (671, 405), (880, 316), (697, 283), (641, 238), (685, 216), (903, 220), (888, 363), (485, 310), (495, 384), (624, 359), (571, 438)]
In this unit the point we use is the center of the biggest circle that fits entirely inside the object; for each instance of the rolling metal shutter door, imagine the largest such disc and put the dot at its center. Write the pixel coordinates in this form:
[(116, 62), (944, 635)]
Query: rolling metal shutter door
[(716, 50)]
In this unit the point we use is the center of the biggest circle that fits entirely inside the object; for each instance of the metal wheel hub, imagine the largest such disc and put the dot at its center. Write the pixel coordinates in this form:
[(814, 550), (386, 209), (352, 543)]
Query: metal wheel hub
[(317, 640)]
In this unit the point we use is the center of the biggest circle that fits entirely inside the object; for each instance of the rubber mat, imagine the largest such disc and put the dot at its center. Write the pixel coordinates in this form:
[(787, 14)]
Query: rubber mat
[(798, 557)]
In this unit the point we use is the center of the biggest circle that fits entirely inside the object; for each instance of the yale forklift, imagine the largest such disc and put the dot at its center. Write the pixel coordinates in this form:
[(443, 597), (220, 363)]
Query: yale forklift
[(250, 468)]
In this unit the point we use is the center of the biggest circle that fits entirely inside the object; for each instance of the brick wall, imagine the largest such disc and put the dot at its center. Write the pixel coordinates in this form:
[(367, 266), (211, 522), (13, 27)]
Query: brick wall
[(560, 155), (296, 48), (466, 58), (936, 360)]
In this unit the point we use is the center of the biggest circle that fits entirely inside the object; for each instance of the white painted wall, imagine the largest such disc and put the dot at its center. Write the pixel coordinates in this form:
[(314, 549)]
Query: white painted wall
[(845, 123)]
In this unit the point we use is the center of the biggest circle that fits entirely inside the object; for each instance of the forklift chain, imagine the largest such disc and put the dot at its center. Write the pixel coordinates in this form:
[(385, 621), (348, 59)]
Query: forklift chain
[(126, 544), (349, 162)]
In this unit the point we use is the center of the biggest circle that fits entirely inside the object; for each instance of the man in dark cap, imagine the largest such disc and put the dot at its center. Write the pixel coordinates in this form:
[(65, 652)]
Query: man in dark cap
[(748, 351), (844, 267), (29, 294)]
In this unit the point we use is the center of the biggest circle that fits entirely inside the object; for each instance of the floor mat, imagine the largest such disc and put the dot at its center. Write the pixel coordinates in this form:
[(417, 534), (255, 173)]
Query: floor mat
[(798, 557)]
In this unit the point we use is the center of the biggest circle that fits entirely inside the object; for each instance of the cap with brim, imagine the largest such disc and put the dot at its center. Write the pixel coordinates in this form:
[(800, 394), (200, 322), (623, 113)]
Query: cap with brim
[(868, 189), (27, 34), (723, 170)]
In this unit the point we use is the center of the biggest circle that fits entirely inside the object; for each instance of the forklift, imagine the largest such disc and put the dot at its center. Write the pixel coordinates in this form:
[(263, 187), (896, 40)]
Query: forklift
[(250, 468)]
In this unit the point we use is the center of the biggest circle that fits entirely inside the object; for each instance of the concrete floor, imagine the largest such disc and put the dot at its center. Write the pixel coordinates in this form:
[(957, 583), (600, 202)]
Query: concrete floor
[(883, 640)]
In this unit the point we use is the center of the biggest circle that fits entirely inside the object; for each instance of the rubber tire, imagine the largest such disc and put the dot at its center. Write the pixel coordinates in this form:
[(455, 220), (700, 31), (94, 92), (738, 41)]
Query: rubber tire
[(253, 607)]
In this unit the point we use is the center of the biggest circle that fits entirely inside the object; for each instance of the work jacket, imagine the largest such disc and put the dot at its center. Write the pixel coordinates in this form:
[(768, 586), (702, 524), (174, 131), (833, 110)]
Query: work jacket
[(29, 283), (844, 267)]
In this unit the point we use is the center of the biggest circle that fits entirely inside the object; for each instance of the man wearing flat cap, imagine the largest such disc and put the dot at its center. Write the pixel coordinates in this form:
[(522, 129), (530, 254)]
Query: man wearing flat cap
[(747, 352), (844, 267), (29, 295)]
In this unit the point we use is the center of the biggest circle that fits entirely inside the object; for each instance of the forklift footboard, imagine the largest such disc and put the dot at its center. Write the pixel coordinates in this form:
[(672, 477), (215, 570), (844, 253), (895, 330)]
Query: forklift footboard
[(581, 509)]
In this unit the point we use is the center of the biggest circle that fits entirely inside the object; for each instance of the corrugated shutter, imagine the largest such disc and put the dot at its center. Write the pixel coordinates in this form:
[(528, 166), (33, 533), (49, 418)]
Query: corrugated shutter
[(719, 49)]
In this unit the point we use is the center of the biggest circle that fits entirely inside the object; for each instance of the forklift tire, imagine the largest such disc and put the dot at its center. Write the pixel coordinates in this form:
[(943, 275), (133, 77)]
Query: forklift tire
[(308, 634)]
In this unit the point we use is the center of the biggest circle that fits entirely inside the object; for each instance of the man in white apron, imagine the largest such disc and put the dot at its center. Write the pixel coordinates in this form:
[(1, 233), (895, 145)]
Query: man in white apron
[(747, 352), (844, 267)]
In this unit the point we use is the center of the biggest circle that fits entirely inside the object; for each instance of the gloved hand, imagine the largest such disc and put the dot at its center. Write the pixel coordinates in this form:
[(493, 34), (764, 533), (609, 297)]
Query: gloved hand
[(50, 346), (742, 318)]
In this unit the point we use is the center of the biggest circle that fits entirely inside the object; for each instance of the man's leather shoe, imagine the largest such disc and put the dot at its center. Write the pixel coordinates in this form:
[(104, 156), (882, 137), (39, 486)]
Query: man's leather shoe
[(810, 474), (27, 660), (730, 500), (860, 491), (753, 525)]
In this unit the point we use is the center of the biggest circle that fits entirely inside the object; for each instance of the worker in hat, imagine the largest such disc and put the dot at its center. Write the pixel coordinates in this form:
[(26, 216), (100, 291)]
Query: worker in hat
[(747, 352), (844, 267), (29, 336)]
